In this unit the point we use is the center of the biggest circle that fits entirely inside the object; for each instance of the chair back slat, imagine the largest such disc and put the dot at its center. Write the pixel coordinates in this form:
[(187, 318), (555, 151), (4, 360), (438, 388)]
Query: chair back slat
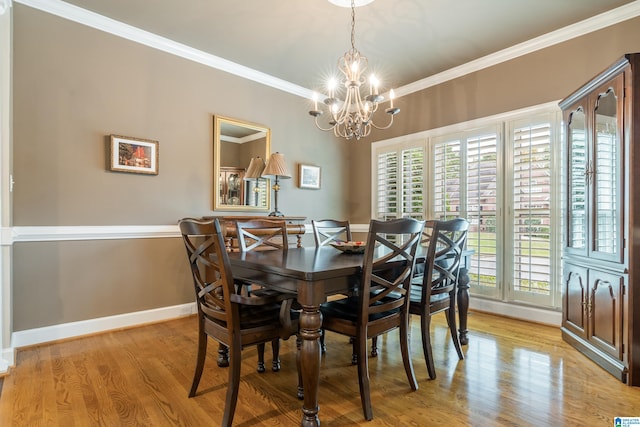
[(261, 234), (330, 230), (388, 263), (446, 241)]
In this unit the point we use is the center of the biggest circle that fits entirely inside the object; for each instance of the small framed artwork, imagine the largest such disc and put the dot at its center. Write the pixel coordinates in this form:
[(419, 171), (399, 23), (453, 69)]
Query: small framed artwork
[(309, 177), (133, 155)]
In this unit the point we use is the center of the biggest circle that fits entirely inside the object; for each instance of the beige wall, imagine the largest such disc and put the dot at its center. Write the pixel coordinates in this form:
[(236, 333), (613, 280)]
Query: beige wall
[(61, 282), (540, 77), (73, 86)]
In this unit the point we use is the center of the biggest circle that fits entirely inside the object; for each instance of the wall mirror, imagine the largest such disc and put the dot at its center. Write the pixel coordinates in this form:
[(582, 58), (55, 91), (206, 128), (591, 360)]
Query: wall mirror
[(236, 146)]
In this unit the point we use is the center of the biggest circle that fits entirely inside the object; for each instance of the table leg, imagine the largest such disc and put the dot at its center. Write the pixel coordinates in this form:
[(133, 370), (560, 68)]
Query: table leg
[(310, 330), (463, 304)]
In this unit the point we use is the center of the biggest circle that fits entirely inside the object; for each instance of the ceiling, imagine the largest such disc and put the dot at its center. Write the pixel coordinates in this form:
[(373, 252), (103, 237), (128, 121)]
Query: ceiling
[(300, 41)]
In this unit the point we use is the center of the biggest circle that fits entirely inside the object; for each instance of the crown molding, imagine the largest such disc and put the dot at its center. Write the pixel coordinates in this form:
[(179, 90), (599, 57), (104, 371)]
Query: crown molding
[(5, 5), (99, 22), (111, 26), (595, 23)]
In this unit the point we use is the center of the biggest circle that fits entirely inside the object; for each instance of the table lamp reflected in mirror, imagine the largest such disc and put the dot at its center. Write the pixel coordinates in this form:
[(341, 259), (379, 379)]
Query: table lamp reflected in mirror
[(277, 168), (254, 174)]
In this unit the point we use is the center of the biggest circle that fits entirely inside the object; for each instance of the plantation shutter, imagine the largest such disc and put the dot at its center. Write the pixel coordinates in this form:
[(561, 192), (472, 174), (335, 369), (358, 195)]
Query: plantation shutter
[(387, 186), (446, 180), (413, 183), (481, 210), (531, 210)]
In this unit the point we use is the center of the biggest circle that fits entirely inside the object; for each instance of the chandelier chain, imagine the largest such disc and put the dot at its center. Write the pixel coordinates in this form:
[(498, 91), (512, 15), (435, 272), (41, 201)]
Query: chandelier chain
[(350, 108), (353, 24)]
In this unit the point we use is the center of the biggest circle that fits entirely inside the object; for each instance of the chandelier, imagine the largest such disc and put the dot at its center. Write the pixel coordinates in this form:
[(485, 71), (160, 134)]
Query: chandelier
[(352, 116)]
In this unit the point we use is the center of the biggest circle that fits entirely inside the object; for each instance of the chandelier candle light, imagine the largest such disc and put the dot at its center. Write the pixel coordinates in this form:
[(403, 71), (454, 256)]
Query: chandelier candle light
[(277, 168), (353, 117)]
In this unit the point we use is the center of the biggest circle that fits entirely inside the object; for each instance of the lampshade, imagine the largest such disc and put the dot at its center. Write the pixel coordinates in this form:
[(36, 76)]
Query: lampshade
[(254, 171), (276, 166)]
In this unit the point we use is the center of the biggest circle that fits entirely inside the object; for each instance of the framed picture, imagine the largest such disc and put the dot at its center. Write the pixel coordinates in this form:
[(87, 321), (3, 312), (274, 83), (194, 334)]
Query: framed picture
[(133, 155), (309, 176)]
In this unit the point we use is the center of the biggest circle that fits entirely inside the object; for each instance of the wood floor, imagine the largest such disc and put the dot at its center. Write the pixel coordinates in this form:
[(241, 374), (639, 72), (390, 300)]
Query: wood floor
[(514, 374)]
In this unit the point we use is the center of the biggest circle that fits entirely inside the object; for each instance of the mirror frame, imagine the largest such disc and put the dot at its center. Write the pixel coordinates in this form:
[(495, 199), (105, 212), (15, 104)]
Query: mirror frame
[(218, 122)]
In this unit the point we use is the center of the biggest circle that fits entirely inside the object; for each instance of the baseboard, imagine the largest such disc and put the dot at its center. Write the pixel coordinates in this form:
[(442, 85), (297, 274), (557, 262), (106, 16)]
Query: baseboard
[(102, 324), (521, 312), (7, 359)]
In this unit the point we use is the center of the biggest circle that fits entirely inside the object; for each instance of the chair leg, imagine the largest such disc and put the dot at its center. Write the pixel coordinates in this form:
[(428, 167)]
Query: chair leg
[(323, 347), (354, 351), (200, 358), (223, 355), (363, 376), (261, 357), (374, 346), (405, 349), (298, 366), (232, 386), (374, 349), (275, 347), (425, 322), (451, 321)]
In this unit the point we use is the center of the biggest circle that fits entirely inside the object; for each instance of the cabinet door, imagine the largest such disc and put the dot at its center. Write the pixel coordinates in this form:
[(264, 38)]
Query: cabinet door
[(577, 199), (574, 312), (605, 172), (605, 311)]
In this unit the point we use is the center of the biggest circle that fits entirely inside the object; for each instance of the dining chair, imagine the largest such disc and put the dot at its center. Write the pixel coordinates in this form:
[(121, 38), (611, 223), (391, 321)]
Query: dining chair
[(435, 289), (261, 234), (326, 231), (381, 303), (232, 319)]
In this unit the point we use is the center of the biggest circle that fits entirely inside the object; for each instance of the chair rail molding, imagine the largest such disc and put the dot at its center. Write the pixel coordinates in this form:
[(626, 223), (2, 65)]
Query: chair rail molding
[(104, 232)]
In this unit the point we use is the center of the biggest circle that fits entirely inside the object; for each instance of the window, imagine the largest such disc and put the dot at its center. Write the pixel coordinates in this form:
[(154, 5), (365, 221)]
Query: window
[(465, 184), (502, 179), (530, 237)]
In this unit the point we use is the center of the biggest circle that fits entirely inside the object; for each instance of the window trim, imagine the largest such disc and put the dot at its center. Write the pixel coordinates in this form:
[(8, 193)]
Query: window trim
[(504, 123)]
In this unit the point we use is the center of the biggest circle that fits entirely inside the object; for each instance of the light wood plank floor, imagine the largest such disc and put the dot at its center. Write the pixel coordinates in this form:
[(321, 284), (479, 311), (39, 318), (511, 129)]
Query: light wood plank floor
[(515, 374)]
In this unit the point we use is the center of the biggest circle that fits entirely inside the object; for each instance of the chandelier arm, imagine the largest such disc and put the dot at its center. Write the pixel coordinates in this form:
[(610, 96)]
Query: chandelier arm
[(383, 127), (353, 118), (341, 115), (321, 128)]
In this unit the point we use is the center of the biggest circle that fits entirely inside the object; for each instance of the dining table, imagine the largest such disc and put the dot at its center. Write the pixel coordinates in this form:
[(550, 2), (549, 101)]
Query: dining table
[(313, 274)]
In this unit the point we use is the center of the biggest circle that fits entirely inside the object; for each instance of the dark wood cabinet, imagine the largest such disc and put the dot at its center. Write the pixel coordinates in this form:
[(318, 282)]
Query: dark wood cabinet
[(232, 186), (601, 274)]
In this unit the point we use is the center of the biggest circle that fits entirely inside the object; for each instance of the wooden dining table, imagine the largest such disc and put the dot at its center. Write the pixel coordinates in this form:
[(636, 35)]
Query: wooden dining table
[(312, 274)]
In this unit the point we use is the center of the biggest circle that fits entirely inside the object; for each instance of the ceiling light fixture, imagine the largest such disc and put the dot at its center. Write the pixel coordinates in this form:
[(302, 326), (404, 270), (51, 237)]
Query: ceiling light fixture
[(352, 117)]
